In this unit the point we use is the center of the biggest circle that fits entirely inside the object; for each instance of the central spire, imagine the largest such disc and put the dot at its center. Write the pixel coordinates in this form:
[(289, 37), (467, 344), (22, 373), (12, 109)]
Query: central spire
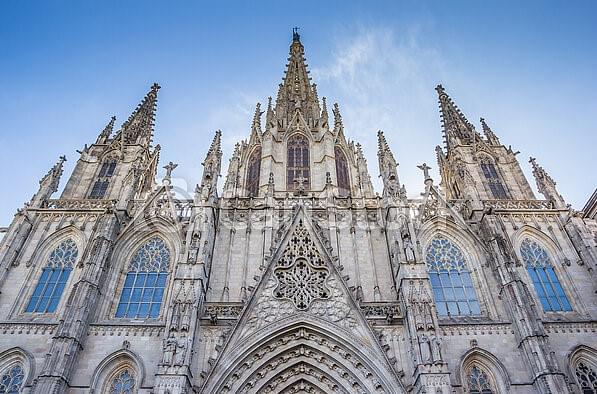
[(296, 91)]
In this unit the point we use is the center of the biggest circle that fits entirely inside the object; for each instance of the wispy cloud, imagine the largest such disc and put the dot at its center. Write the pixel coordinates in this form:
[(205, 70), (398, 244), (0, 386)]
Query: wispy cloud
[(383, 78)]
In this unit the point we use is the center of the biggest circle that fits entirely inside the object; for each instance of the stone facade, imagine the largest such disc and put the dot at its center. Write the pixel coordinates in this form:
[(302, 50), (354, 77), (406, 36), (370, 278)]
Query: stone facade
[(299, 277)]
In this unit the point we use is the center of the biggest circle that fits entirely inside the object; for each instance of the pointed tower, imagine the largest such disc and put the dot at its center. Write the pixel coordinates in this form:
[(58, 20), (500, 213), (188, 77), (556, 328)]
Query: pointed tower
[(211, 169), (120, 167), (296, 93), (388, 168), (546, 185), (473, 167), (48, 185)]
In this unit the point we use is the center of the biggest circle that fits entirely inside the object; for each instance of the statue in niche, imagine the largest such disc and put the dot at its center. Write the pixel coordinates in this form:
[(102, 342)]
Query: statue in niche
[(436, 351), (181, 351), (169, 348), (425, 347), (186, 317)]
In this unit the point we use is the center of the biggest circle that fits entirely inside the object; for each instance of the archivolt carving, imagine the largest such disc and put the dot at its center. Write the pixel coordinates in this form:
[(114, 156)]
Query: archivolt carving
[(302, 386), (273, 363)]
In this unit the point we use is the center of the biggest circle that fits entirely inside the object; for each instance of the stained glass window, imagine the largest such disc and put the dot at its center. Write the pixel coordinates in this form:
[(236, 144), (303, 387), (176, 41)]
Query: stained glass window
[(546, 283), (145, 281), (493, 180), (586, 375), (342, 172), (451, 281), (12, 380), (479, 382), (253, 172), (54, 275), (103, 179), (297, 164), (123, 383)]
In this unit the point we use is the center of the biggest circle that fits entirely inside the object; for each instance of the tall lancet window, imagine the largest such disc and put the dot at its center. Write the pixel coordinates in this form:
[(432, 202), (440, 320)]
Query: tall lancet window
[(145, 281), (451, 281), (47, 293), (253, 173), (493, 179), (11, 380), (298, 173), (103, 179), (546, 283), (342, 172)]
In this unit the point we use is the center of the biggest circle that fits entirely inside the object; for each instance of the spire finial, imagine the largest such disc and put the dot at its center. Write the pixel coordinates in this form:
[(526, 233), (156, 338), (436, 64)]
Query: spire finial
[(106, 132), (295, 35), (138, 128), (457, 129), (489, 134)]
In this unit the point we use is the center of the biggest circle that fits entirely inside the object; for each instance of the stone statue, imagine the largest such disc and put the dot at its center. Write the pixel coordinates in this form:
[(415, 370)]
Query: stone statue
[(169, 349), (425, 347), (181, 351), (436, 351)]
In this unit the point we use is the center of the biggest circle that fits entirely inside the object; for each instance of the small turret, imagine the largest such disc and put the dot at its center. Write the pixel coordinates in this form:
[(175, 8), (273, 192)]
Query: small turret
[(457, 129), (48, 185), (492, 139), (388, 167), (211, 168), (546, 185), (106, 132)]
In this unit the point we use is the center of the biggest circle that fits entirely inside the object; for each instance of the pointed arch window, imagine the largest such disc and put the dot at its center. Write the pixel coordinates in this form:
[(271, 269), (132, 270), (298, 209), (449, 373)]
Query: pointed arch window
[(451, 281), (253, 173), (54, 275), (342, 172), (586, 376), (11, 379), (145, 281), (479, 381), (545, 281), (103, 179), (298, 172), (122, 383), (493, 179)]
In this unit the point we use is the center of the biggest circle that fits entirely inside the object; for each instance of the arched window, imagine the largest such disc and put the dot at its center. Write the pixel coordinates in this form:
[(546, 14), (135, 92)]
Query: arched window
[(103, 179), (47, 293), (145, 281), (123, 382), (298, 173), (342, 172), (546, 283), (11, 379), (451, 281), (253, 172), (586, 376), (493, 179), (479, 381)]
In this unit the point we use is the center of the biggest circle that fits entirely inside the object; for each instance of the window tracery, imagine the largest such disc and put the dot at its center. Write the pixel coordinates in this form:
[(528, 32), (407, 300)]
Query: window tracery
[(586, 376), (145, 281), (479, 381), (451, 281), (342, 172), (298, 165), (51, 284), (545, 281), (253, 173), (300, 271), (493, 179), (103, 179), (12, 379), (122, 383)]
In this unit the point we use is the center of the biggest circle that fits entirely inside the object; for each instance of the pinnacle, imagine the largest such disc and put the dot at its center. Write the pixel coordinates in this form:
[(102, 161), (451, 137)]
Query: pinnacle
[(140, 124)]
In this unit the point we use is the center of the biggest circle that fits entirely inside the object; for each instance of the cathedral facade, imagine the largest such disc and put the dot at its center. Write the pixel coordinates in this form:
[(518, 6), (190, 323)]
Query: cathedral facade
[(295, 276)]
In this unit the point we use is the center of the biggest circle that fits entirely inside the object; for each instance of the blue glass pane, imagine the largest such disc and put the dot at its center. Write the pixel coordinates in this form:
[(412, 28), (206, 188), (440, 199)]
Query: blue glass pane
[(32, 303), (130, 279), (449, 293), (466, 279), (147, 293), (41, 307), (151, 279), (45, 273), (55, 275), (533, 275), (53, 304), (452, 308), (545, 303), (551, 274), (140, 282), (441, 308), (565, 304), (542, 275), (434, 279), (126, 294), (132, 312), (464, 308), (38, 289), (540, 291), (162, 280), (475, 309), (455, 279), (136, 296), (121, 310), (470, 293), (143, 310), (64, 275), (459, 294), (155, 310), (157, 295)]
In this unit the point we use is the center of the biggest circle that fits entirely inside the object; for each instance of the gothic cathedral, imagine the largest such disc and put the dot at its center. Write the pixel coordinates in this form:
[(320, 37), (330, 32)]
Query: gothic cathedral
[(295, 276)]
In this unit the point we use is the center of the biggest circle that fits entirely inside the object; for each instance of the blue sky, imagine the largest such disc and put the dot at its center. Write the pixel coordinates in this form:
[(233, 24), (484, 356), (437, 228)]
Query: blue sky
[(527, 67)]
